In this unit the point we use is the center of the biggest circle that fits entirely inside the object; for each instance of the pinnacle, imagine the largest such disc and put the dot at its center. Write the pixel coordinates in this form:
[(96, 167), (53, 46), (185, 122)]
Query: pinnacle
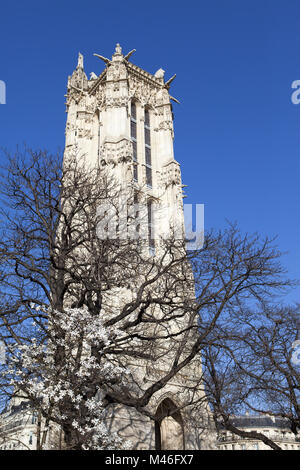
[(80, 61)]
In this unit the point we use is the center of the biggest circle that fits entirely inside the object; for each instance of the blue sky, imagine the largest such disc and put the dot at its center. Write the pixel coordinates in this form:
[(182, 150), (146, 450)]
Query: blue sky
[(237, 133)]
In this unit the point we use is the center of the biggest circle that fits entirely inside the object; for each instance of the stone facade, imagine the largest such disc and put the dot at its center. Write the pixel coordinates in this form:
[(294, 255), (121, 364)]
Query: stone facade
[(20, 427), (122, 122), (276, 429), (106, 123)]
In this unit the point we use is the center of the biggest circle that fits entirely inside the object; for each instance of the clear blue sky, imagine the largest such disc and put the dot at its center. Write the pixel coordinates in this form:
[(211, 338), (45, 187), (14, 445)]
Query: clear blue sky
[(237, 134)]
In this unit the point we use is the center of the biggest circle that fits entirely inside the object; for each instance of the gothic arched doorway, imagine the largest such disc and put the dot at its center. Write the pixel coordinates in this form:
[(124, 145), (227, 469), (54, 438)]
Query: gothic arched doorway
[(169, 430)]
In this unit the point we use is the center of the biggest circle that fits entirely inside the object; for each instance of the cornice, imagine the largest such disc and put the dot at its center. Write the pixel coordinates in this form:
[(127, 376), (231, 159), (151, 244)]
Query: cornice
[(142, 74)]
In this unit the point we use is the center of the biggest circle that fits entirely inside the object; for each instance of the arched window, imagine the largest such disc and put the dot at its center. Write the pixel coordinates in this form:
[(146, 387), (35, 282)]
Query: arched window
[(169, 429)]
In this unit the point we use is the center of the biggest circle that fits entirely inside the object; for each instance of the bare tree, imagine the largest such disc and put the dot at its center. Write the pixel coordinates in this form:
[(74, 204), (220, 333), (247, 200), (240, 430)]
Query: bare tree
[(252, 366), (51, 256), (163, 310)]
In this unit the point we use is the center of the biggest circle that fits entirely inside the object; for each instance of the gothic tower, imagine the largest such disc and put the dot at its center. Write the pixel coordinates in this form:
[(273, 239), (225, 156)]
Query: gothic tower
[(122, 120)]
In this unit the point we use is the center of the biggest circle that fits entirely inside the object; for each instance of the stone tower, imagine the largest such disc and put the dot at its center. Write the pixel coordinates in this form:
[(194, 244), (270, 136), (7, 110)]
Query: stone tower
[(122, 120)]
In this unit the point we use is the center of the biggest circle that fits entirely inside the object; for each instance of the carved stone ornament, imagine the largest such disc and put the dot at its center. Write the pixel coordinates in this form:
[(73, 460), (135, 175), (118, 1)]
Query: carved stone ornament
[(114, 152), (171, 174)]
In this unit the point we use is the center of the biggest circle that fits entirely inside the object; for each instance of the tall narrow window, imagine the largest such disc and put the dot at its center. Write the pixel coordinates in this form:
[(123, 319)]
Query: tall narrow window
[(133, 134), (148, 160), (150, 228), (99, 136), (136, 212)]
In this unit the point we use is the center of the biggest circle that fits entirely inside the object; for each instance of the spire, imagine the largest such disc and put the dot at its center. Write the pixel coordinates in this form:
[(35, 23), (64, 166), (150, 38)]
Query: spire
[(78, 79), (80, 61)]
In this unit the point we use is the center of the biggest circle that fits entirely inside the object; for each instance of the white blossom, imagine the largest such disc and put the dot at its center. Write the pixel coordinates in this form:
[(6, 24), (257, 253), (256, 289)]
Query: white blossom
[(53, 385)]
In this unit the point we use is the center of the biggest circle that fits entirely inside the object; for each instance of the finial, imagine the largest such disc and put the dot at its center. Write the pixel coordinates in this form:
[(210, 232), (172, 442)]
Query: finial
[(80, 61), (118, 49)]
